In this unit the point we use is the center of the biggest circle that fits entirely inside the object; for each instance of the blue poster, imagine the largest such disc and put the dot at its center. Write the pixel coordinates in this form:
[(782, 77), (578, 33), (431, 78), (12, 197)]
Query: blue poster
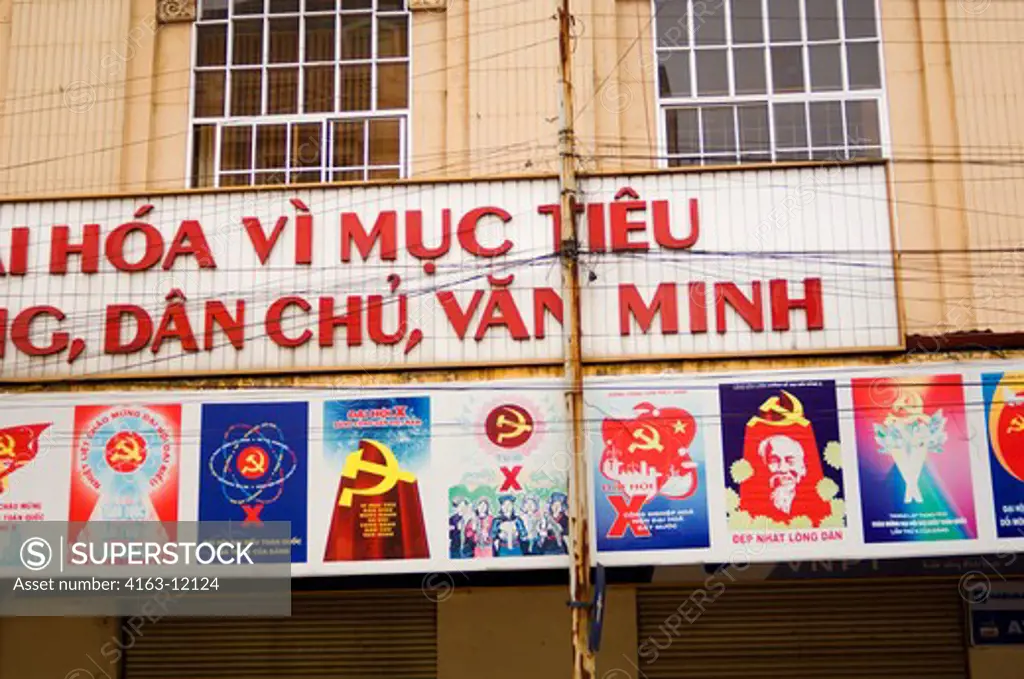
[(1004, 414), (649, 470), (253, 466)]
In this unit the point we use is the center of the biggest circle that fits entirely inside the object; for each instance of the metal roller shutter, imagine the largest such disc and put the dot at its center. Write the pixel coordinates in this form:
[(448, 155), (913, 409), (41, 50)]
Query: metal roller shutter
[(807, 629), (340, 634)]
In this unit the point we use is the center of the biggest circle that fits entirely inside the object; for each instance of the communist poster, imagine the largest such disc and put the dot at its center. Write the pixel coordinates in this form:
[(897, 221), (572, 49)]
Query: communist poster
[(507, 475), (783, 463), (253, 468), (1004, 414), (31, 460), (913, 455), (125, 464), (648, 465), (376, 450)]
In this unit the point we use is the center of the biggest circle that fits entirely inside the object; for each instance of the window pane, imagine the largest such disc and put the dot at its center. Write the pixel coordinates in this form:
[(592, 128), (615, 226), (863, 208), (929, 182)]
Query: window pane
[(320, 5), (349, 144), (826, 68), (284, 41), (791, 156), (674, 73), (790, 126), (672, 27), (859, 17), (709, 23), (719, 129), (356, 4), (306, 177), (355, 88), (319, 89), (283, 6), (874, 153), (270, 178), (682, 131), (204, 145), (392, 36), (384, 142), (862, 127), (307, 146), (356, 37), (823, 19), (214, 9), (247, 47), (390, 173), (392, 86), (246, 94), (829, 155), (347, 176), (282, 90), (862, 62), (747, 22), (683, 162), (320, 39), (247, 7), (748, 64), (271, 146), (784, 20), (826, 124), (236, 147), (235, 180), (753, 121), (212, 45), (751, 158), (712, 72), (209, 94), (788, 69), (391, 5)]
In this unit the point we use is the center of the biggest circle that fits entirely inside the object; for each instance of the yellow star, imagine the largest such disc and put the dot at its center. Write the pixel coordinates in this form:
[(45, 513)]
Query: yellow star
[(679, 427)]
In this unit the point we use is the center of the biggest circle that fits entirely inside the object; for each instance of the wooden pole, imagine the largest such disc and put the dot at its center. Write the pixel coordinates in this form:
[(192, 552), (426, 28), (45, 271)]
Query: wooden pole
[(579, 579)]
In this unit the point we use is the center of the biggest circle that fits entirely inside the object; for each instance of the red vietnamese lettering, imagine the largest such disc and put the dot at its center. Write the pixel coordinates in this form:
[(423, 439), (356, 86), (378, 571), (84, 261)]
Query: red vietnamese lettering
[(555, 211), (151, 254), (3, 333), (468, 236), (116, 314), (19, 251), (385, 230), (263, 245), (458, 318), (352, 320), (698, 308), (174, 323), (595, 227), (375, 320), (501, 310), (663, 227), (61, 248), (631, 305), (545, 301), (217, 314), (622, 228), (21, 332), (414, 234), (783, 304), (627, 516), (304, 239), (190, 240), (273, 323), (750, 310)]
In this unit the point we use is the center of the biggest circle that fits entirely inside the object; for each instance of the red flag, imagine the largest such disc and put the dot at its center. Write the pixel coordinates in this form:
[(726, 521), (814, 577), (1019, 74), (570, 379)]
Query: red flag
[(18, 446)]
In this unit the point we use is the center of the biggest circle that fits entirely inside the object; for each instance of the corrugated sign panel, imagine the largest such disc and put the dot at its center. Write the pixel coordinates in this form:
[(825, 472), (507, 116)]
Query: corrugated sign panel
[(446, 274)]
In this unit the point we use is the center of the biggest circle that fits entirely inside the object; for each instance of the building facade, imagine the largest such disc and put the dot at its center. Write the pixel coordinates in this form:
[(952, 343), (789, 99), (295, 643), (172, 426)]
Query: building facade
[(781, 190)]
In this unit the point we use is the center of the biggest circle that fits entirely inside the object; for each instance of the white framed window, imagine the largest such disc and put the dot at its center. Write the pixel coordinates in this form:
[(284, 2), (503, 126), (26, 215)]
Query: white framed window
[(299, 91), (758, 81)]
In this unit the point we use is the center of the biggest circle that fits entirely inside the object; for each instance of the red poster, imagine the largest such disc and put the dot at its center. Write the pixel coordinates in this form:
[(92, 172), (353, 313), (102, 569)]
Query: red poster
[(125, 464)]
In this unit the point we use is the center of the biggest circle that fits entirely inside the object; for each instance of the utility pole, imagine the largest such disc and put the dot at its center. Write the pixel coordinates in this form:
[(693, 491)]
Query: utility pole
[(580, 588)]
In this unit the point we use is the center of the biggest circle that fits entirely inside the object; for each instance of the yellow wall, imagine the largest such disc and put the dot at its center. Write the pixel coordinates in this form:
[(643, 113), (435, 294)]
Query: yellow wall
[(56, 648)]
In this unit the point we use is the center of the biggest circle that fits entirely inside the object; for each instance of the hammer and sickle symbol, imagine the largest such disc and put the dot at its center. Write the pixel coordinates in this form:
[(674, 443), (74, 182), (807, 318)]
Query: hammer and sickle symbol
[(389, 472), (519, 425), (6, 446), (125, 450), (255, 463), (794, 415), (1016, 425), (647, 437)]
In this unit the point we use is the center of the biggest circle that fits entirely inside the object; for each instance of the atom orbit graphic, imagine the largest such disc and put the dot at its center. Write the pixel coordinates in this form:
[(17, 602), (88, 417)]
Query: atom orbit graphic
[(253, 463)]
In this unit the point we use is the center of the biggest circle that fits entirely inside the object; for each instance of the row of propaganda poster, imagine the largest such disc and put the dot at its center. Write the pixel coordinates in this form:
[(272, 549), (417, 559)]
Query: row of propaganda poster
[(854, 464)]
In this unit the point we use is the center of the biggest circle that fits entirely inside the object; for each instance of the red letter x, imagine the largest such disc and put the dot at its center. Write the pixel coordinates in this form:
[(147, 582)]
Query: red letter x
[(627, 516), (252, 513), (511, 482)]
